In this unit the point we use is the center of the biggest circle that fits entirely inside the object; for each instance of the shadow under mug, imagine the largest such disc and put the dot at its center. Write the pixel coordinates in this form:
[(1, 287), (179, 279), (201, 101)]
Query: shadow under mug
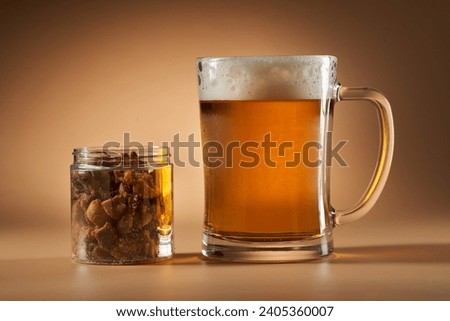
[(265, 125)]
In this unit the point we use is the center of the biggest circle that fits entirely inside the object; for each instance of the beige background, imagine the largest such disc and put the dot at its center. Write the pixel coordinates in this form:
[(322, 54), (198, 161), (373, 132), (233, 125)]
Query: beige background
[(80, 73)]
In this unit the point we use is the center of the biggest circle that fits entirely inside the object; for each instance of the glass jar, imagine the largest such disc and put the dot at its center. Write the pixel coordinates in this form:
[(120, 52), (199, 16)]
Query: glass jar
[(121, 202)]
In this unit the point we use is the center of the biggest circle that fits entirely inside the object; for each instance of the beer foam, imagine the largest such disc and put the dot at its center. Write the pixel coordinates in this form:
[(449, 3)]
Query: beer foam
[(266, 77)]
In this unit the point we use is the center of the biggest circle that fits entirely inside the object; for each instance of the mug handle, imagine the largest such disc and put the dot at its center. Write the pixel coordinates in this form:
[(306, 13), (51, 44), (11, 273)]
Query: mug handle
[(373, 191)]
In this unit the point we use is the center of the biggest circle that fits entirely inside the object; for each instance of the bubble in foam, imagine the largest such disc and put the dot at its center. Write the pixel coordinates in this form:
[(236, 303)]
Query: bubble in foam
[(266, 77)]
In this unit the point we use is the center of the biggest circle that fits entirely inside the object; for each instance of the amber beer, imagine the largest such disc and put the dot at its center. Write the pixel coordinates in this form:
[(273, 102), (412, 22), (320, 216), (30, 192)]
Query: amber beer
[(260, 199)]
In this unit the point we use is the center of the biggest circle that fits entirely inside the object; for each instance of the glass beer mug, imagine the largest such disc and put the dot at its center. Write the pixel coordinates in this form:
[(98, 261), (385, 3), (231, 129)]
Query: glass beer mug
[(265, 123)]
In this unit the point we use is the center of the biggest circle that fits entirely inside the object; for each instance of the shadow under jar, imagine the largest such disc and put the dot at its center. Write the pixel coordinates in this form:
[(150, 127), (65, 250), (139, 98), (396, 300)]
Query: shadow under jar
[(121, 203)]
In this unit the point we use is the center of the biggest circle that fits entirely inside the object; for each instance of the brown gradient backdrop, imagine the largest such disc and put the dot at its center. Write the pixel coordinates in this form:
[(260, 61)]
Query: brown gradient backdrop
[(78, 73)]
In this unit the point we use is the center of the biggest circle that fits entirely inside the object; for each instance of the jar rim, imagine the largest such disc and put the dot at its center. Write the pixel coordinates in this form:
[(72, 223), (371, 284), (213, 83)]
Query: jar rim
[(145, 151)]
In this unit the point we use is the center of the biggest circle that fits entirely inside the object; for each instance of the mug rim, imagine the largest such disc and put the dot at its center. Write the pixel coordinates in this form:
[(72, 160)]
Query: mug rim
[(268, 57)]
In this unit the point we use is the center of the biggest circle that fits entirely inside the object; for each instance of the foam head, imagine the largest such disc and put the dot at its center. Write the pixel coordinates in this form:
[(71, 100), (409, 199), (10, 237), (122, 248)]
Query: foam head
[(266, 77)]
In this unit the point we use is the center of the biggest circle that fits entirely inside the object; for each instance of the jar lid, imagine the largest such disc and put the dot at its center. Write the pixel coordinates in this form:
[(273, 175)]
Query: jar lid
[(122, 156)]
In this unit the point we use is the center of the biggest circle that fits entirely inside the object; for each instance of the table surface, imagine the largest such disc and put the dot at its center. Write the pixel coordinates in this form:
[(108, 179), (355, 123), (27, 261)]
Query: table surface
[(396, 261)]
